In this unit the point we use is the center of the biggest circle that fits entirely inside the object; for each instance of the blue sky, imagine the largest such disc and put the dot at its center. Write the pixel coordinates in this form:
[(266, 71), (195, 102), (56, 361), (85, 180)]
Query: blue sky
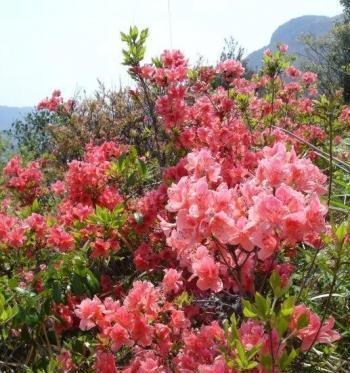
[(69, 44)]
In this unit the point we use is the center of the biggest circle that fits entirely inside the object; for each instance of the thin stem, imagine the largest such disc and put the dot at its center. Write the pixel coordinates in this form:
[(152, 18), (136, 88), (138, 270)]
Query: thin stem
[(272, 120), (154, 119), (232, 271), (305, 278), (29, 355), (47, 340), (341, 164), (126, 242), (271, 349), (6, 363), (330, 122), (268, 273), (330, 294)]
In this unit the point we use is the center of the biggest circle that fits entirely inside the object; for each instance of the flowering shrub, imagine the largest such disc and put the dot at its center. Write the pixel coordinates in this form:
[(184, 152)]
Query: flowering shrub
[(185, 257), (55, 103)]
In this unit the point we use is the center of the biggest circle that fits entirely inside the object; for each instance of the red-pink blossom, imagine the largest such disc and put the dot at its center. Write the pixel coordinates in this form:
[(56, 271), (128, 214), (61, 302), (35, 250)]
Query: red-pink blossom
[(58, 187), (65, 361), (59, 239), (207, 271), (231, 69), (309, 77), (172, 282), (345, 115), (105, 362), (109, 198), (283, 48), (314, 332), (100, 248), (89, 311)]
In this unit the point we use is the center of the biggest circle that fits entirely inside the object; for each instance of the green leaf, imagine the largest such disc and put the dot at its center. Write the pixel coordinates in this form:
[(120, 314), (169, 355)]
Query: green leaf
[(254, 350), (35, 205), (252, 365), (142, 167), (266, 361), (249, 309), (31, 317), (234, 329), (226, 326), (184, 299), (341, 231), (303, 321), (12, 283), (287, 358), (281, 324), (288, 306), (339, 205), (275, 281), (2, 301), (144, 34), (124, 37), (52, 367), (134, 32), (92, 282), (261, 305), (56, 292), (77, 285), (241, 352), (3, 315)]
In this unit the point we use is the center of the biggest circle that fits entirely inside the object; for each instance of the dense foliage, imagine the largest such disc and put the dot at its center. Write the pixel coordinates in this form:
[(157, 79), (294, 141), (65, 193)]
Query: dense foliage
[(197, 223), (329, 55)]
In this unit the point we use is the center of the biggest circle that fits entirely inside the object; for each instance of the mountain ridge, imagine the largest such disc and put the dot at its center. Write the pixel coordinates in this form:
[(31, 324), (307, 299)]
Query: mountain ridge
[(9, 114), (290, 32)]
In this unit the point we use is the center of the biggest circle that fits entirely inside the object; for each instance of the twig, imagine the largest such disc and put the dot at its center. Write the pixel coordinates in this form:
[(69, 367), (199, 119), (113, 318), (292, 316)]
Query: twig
[(330, 122), (5, 363), (346, 167), (328, 301), (303, 283)]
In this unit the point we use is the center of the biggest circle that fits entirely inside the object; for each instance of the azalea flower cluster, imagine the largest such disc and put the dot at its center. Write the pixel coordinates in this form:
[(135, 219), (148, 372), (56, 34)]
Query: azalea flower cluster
[(55, 103), (24, 180), (271, 211), (86, 184), (137, 324), (174, 69), (139, 268), (195, 113)]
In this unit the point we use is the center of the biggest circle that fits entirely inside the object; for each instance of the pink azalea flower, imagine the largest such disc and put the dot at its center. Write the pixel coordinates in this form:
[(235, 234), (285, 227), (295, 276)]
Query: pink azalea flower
[(345, 115), (251, 334), (313, 333), (309, 77), (60, 239), (100, 248), (109, 198), (105, 362), (89, 311), (230, 69), (172, 282), (58, 187), (65, 361), (207, 271), (119, 337), (283, 48)]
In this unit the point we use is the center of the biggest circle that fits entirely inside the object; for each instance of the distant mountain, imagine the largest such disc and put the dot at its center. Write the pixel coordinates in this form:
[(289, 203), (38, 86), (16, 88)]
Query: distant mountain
[(8, 114), (290, 33)]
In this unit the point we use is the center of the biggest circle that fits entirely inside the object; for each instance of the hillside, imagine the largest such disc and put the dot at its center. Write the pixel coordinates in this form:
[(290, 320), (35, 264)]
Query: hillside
[(290, 33), (8, 114)]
